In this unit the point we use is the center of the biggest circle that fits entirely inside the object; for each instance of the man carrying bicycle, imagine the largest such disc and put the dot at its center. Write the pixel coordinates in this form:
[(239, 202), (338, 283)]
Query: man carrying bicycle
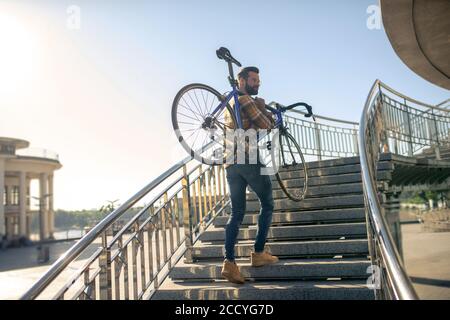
[(253, 116)]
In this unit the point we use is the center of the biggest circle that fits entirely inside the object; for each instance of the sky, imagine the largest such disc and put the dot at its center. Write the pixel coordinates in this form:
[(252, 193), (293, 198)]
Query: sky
[(94, 80)]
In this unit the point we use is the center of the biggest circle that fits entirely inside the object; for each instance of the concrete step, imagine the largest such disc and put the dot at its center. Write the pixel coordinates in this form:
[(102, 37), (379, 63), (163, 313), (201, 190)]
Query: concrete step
[(326, 163), (330, 180), (297, 171), (432, 156), (284, 269), (331, 163), (431, 151), (302, 217), (317, 191), (280, 290), (287, 249), (328, 231), (343, 201)]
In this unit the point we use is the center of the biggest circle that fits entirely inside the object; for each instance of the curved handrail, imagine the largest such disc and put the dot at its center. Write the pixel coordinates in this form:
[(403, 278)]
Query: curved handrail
[(442, 103), (396, 274), (59, 265), (436, 107)]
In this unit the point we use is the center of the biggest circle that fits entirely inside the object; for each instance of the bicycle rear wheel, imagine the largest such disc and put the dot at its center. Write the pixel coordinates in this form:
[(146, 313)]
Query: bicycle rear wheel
[(293, 174), (200, 132)]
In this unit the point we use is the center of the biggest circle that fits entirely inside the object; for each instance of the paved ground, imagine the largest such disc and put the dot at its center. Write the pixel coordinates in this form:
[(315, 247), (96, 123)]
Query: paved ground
[(19, 269), (427, 260)]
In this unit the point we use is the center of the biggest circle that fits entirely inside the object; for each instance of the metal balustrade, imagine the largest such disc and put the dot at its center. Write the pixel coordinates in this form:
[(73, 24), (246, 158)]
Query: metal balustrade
[(131, 263), (162, 221), (404, 126), (410, 126), (327, 138), (324, 140)]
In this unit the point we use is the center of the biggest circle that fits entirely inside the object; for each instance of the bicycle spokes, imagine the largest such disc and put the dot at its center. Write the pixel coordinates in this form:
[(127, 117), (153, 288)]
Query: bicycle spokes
[(289, 155), (293, 175), (198, 122)]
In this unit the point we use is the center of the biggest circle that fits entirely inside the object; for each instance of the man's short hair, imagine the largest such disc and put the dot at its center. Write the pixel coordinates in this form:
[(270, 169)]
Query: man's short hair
[(245, 71)]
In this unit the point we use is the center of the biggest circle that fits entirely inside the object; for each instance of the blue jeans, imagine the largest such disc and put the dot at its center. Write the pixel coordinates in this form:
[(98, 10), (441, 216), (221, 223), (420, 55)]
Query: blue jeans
[(239, 176)]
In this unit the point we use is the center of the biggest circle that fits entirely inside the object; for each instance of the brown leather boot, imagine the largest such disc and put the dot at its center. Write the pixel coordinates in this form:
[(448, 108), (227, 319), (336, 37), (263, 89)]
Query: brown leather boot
[(230, 271), (262, 259)]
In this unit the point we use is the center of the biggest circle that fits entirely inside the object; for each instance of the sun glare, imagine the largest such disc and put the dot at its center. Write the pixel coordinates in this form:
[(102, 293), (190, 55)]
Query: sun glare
[(17, 54)]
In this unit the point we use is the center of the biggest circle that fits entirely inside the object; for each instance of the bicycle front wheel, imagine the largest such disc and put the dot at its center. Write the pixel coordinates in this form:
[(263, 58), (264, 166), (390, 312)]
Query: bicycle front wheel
[(293, 174), (199, 129)]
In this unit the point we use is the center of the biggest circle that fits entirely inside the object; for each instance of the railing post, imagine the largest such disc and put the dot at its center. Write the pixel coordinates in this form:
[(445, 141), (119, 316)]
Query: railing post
[(87, 283), (384, 127), (219, 181), (210, 185), (224, 182), (187, 217), (214, 170), (162, 213), (432, 131), (105, 269), (408, 121), (436, 147), (318, 142), (202, 199), (355, 141), (437, 152)]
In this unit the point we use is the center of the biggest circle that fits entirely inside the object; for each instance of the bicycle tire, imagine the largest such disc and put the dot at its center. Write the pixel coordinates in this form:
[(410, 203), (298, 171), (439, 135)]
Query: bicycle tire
[(294, 192), (199, 115)]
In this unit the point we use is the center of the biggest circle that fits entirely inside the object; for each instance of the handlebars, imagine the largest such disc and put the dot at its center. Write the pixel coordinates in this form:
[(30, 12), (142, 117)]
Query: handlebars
[(282, 109)]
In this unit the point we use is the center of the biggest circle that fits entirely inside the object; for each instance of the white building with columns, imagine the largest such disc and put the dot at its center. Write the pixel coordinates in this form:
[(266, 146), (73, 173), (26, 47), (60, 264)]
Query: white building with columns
[(19, 165)]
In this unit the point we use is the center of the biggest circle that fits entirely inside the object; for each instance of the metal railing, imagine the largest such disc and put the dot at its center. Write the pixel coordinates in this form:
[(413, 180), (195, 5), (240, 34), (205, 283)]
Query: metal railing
[(411, 127), (389, 125), (183, 201), (132, 263), (324, 138)]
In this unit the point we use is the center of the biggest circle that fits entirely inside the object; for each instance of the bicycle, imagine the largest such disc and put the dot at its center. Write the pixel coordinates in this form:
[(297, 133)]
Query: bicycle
[(208, 110)]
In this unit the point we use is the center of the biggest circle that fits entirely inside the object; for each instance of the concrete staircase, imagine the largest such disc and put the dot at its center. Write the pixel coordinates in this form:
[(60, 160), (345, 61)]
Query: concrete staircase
[(321, 243), (429, 153)]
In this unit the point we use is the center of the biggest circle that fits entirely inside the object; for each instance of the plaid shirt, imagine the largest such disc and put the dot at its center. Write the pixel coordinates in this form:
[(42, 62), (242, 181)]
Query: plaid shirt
[(254, 115)]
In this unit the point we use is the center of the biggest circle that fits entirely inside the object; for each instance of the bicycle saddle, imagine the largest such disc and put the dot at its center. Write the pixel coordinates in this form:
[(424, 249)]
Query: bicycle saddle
[(224, 54)]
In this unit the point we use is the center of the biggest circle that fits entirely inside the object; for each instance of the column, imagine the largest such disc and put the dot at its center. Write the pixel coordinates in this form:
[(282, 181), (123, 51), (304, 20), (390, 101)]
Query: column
[(43, 212), (22, 204), (51, 212), (28, 209), (2, 206)]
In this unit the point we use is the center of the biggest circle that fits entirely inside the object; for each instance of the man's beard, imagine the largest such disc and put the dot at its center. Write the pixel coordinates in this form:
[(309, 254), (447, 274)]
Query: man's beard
[(250, 90)]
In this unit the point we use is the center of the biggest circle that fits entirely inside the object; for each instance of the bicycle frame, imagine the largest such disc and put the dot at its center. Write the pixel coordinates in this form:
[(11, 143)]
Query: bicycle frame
[(234, 94), (237, 109), (237, 106)]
